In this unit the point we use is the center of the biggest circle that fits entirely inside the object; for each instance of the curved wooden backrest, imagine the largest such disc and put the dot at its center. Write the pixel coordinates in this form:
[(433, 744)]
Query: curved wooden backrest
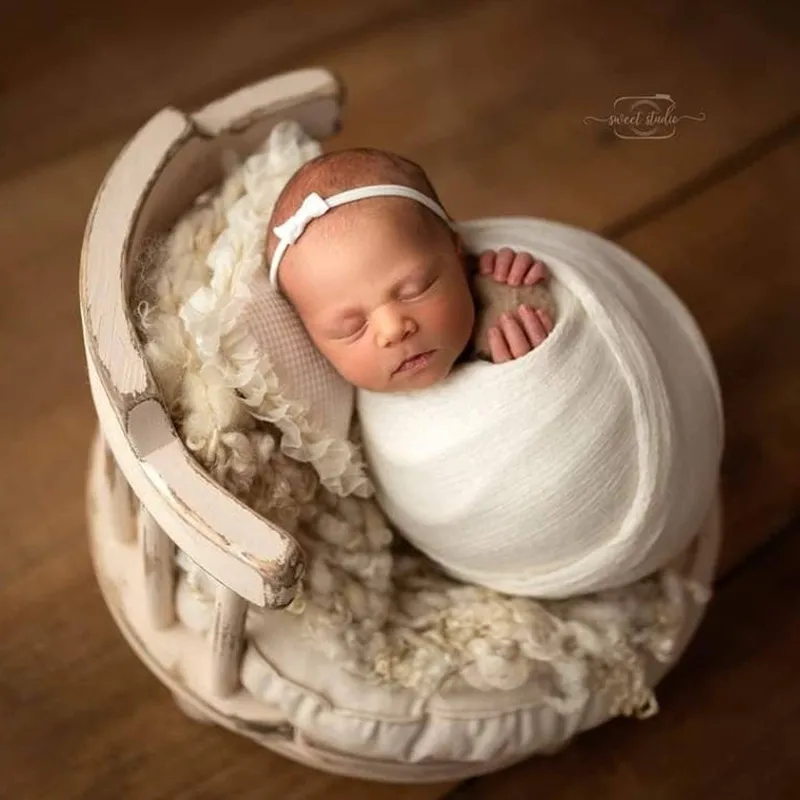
[(168, 163)]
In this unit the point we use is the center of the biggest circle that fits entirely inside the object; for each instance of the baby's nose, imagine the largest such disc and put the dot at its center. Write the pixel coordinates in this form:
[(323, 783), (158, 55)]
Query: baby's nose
[(392, 327)]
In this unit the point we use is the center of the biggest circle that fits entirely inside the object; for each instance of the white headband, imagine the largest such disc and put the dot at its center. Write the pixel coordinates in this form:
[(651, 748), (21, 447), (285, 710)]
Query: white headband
[(314, 207)]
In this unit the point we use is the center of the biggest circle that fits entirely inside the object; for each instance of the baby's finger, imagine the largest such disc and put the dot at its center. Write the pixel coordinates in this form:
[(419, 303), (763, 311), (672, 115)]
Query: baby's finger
[(518, 342), (520, 266), (534, 327), (502, 264), (498, 347), (486, 262), (536, 273), (547, 320)]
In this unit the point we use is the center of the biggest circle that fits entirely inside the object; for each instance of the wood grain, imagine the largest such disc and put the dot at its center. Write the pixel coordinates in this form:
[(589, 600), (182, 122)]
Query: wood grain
[(500, 125), (734, 262), (730, 717), (97, 69), (158, 553), (491, 99)]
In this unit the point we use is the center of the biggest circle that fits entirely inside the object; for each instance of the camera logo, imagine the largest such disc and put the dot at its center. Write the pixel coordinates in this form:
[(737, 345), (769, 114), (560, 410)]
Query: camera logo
[(644, 117)]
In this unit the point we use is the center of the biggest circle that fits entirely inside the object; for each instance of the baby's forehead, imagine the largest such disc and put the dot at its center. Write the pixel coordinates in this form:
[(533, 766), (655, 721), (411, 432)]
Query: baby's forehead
[(331, 173), (386, 222), (334, 263)]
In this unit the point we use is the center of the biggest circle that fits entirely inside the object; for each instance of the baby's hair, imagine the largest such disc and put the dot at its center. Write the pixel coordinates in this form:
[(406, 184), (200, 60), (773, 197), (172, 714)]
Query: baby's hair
[(340, 170)]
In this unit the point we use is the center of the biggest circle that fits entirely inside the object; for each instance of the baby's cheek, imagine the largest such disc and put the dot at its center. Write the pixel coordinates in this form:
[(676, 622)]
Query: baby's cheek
[(352, 363), (455, 318), (340, 358)]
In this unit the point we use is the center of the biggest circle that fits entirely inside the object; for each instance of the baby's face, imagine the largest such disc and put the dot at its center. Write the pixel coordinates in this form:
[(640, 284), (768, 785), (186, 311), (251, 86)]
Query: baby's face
[(386, 298)]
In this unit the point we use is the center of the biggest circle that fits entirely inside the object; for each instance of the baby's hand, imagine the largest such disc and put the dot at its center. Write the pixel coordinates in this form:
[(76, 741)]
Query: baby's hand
[(517, 334), (513, 269)]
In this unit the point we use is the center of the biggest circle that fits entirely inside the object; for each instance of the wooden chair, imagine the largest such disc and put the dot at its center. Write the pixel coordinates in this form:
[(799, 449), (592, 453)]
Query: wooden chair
[(149, 499), (160, 499)]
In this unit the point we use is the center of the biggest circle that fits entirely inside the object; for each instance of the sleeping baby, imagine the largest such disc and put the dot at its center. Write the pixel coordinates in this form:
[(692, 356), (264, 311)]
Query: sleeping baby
[(382, 280), (429, 333), (530, 458)]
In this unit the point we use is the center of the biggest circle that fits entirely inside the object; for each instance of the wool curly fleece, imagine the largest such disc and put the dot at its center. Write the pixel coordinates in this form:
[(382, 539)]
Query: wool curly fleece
[(383, 610)]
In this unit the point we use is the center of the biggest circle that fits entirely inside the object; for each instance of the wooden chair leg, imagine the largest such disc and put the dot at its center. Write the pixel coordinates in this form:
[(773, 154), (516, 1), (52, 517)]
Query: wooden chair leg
[(122, 498), (227, 640), (159, 570)]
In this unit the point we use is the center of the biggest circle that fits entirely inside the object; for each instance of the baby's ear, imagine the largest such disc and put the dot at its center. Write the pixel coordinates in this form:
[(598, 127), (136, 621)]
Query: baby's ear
[(467, 259)]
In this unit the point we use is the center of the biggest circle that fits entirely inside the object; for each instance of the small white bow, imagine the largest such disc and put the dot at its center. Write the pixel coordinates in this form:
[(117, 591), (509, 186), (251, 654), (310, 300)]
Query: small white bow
[(311, 208)]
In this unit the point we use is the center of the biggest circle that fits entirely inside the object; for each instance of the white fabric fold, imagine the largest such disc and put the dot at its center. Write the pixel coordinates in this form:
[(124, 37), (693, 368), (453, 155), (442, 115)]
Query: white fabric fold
[(582, 466)]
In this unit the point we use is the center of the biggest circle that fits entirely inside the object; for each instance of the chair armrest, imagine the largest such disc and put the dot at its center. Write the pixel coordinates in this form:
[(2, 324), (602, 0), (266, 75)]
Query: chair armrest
[(259, 561), (166, 165)]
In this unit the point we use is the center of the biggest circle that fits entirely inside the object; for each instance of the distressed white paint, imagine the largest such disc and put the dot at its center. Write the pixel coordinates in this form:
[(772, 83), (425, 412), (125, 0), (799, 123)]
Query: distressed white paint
[(124, 501), (178, 655), (203, 545), (227, 641), (103, 273), (165, 165), (243, 530), (158, 563), (275, 95)]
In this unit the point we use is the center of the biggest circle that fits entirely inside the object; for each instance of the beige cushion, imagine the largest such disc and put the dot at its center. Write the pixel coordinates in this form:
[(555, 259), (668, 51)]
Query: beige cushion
[(305, 375), (345, 713)]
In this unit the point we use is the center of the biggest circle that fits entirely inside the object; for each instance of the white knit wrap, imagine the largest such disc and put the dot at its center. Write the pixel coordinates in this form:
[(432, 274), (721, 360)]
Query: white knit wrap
[(582, 466)]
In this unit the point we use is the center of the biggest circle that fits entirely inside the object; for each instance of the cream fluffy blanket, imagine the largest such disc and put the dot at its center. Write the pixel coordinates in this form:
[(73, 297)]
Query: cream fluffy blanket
[(585, 465), (382, 610)]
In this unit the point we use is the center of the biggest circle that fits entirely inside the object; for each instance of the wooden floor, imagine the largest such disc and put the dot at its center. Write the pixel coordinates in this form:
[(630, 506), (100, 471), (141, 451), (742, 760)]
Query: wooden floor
[(491, 98)]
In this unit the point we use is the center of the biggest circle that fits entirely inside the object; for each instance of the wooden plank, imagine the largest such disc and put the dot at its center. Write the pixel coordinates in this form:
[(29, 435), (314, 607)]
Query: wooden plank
[(492, 99), (100, 68), (733, 257), (455, 83), (730, 719)]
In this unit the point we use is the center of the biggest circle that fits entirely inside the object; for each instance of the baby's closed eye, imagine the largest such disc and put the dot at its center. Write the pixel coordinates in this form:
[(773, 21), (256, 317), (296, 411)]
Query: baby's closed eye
[(350, 328), (416, 288)]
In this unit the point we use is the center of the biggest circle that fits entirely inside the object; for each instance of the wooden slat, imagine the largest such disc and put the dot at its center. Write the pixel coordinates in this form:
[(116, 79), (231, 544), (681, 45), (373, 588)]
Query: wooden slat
[(122, 499), (158, 565), (730, 720), (226, 641)]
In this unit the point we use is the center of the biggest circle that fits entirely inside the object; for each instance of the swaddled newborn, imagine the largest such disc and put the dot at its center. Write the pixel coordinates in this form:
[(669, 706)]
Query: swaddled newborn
[(384, 284), (391, 296), (584, 461)]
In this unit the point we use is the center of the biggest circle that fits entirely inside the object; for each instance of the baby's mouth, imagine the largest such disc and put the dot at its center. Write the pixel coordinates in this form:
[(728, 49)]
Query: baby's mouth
[(414, 363)]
